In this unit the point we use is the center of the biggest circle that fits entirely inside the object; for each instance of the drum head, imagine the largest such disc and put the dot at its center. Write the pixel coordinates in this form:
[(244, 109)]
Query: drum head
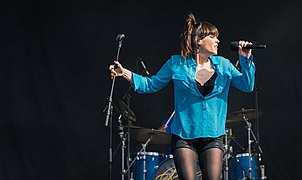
[(167, 171)]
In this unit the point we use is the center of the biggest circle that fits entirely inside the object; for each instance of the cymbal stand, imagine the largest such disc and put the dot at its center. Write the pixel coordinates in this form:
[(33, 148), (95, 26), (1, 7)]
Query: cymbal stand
[(123, 137), (144, 157), (257, 88), (227, 154), (127, 97), (143, 149), (256, 142), (249, 125), (237, 143)]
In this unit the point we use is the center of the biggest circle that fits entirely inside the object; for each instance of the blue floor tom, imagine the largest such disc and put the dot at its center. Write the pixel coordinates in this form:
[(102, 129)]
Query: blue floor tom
[(239, 167)]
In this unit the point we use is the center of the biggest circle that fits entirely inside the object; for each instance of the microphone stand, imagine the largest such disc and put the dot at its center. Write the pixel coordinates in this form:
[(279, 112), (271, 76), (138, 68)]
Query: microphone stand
[(109, 111)]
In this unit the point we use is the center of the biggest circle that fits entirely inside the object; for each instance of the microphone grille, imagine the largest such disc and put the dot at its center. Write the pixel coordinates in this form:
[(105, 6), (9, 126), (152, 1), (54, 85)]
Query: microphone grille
[(234, 46), (119, 37)]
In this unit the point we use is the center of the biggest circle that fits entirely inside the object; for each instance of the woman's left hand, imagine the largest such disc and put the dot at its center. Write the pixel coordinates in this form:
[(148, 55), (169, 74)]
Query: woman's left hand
[(244, 52)]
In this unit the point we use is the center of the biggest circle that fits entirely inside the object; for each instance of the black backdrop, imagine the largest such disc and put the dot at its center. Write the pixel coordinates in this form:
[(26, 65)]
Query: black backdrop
[(55, 82)]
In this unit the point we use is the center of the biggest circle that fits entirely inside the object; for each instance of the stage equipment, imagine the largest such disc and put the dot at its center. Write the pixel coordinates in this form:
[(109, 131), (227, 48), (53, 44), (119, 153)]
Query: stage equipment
[(124, 110), (239, 166), (144, 66), (234, 46), (167, 170), (243, 116), (237, 117), (149, 160), (119, 39), (227, 153), (142, 134)]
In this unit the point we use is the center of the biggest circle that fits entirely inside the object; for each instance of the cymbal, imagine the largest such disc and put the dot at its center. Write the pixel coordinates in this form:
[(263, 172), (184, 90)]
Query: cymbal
[(124, 110), (239, 116), (142, 134)]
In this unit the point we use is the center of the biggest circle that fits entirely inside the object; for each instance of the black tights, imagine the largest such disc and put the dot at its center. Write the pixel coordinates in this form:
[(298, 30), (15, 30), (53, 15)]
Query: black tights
[(210, 162)]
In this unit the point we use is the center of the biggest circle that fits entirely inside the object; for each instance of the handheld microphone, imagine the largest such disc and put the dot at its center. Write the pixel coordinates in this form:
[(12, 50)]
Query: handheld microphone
[(119, 37), (144, 66), (234, 46)]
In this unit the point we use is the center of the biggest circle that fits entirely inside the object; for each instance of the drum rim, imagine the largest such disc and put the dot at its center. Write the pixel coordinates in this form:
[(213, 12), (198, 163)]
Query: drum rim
[(244, 155), (164, 162), (152, 153)]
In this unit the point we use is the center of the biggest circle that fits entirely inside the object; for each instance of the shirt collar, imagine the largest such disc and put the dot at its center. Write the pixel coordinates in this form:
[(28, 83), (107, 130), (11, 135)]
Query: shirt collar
[(214, 60)]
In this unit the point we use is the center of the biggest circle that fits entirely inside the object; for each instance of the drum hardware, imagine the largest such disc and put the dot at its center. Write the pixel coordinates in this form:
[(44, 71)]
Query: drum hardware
[(145, 136), (152, 160), (244, 173), (228, 151), (249, 133), (249, 125), (142, 134), (229, 137), (123, 137), (236, 117), (244, 115), (124, 110), (167, 170), (237, 143), (143, 149), (239, 168), (128, 115), (262, 170)]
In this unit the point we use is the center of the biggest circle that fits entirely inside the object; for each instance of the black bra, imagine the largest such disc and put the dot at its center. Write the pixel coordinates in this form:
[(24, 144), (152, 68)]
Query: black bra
[(208, 86)]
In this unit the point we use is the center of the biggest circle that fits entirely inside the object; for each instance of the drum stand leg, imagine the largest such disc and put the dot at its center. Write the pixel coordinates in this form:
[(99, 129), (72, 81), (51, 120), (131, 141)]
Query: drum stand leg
[(249, 125), (144, 161), (226, 155), (123, 137), (143, 149), (249, 133), (123, 153)]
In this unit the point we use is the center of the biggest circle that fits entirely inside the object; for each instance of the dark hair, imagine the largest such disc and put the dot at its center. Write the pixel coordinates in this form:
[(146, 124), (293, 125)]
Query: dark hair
[(193, 29)]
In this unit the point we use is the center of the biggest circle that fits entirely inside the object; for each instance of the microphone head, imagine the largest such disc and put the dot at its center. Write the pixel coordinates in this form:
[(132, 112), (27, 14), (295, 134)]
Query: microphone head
[(234, 46), (119, 37)]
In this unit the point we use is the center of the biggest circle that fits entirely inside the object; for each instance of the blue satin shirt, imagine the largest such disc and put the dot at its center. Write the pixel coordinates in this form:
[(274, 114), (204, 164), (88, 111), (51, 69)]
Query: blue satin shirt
[(196, 115)]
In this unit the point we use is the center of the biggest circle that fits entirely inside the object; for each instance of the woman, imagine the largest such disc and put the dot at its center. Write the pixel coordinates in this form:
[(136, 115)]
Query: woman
[(201, 85)]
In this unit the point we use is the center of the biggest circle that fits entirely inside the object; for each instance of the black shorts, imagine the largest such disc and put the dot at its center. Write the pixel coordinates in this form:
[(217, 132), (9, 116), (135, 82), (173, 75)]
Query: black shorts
[(198, 145)]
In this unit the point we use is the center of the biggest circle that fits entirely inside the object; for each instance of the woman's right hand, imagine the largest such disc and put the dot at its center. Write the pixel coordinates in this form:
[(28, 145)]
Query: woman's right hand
[(116, 69)]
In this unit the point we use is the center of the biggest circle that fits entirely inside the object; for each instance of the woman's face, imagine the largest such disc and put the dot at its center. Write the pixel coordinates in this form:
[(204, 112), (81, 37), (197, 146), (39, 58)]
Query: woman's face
[(209, 45)]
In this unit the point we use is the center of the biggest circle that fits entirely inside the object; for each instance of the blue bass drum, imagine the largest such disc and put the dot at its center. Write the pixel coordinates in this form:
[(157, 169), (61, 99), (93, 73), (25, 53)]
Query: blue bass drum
[(167, 171), (153, 160)]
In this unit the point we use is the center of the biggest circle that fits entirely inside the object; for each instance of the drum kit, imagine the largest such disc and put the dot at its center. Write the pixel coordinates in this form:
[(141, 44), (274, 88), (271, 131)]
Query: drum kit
[(242, 166), (146, 165)]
